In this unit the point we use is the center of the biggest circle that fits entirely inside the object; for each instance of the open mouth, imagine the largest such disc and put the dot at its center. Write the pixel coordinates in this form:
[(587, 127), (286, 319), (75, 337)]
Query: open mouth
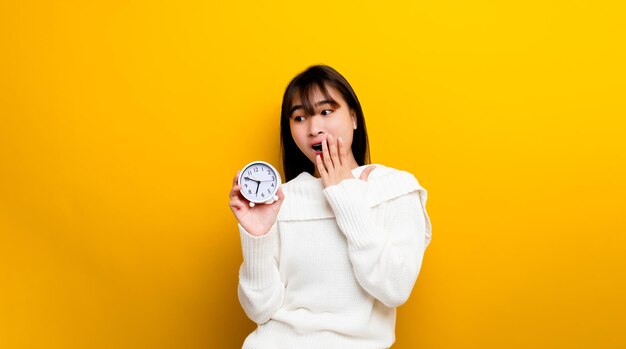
[(317, 147)]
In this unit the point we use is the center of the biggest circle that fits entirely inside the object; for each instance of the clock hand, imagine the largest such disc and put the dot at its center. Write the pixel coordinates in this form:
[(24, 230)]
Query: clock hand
[(250, 179)]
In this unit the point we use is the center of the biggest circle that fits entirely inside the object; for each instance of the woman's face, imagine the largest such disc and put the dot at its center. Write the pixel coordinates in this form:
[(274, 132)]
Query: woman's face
[(308, 131)]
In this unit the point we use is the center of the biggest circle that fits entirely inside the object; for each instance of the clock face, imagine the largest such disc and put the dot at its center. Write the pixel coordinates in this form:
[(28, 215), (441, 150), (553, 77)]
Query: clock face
[(259, 181)]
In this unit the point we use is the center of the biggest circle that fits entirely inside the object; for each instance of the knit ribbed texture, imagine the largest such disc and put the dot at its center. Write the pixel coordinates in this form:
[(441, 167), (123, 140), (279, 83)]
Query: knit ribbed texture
[(337, 263), (259, 268), (348, 201)]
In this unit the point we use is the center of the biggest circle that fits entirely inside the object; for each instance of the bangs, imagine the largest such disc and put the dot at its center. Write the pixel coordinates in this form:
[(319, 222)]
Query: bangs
[(305, 92)]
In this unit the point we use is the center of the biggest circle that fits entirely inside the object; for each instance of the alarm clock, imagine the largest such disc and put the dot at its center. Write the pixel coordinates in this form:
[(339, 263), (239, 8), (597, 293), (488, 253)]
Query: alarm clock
[(258, 182)]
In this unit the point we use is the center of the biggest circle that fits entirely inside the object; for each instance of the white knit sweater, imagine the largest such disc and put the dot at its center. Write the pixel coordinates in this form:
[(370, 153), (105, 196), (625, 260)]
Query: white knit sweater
[(337, 262)]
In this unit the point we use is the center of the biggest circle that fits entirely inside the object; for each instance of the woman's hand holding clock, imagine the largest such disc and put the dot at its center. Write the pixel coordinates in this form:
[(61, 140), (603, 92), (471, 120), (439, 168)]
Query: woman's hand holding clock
[(257, 220)]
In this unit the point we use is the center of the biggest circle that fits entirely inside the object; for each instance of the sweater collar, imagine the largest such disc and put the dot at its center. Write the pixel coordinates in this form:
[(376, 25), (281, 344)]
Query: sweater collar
[(305, 176)]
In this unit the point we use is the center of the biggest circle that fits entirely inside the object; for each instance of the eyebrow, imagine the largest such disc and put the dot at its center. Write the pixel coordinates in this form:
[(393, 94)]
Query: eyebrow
[(299, 106)]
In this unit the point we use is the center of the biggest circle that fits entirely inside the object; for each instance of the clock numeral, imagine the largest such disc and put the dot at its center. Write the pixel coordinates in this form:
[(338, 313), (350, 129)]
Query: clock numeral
[(249, 191), (263, 195), (269, 172), (273, 178), (245, 185), (250, 173), (269, 191), (256, 169), (272, 184)]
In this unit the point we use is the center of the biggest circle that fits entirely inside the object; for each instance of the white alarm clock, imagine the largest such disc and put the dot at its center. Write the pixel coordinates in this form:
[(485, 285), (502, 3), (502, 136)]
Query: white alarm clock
[(259, 182)]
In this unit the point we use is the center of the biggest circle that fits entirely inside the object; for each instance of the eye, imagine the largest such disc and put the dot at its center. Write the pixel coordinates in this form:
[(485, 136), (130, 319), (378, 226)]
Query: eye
[(324, 112), (296, 118)]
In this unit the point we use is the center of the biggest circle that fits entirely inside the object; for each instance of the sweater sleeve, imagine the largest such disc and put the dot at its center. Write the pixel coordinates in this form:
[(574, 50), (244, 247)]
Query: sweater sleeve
[(260, 290), (386, 257)]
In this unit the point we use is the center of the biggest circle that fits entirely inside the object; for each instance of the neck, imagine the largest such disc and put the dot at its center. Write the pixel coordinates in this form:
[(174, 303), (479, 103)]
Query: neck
[(352, 164)]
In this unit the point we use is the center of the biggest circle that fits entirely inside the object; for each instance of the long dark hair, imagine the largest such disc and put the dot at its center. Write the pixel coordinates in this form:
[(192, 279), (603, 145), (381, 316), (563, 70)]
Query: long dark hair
[(320, 76)]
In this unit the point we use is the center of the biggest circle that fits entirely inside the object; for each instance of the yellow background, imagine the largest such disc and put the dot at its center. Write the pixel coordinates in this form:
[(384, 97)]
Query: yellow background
[(122, 124)]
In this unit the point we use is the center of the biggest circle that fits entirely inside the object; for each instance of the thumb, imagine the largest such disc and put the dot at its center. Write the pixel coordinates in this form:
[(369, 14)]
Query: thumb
[(366, 172), (280, 194)]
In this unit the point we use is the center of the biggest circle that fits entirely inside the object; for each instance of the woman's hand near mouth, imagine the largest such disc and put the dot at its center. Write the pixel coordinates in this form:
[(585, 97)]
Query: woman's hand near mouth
[(333, 165)]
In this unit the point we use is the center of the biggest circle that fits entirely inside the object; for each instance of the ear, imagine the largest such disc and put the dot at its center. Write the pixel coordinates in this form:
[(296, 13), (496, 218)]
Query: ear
[(353, 116)]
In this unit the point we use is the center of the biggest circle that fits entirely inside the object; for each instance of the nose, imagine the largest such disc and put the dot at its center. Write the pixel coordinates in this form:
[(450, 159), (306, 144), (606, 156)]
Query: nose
[(315, 126)]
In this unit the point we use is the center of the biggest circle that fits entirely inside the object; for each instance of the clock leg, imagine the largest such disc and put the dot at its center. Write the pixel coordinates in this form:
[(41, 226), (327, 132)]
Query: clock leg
[(251, 204)]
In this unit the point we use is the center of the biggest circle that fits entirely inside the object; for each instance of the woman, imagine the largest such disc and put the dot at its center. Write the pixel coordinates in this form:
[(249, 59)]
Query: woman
[(326, 265)]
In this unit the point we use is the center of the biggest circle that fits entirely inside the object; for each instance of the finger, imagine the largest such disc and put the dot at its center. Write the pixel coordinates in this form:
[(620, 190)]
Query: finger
[(341, 150), (280, 194), (236, 204), (365, 174), (235, 196), (235, 191), (334, 156), (328, 163), (320, 166)]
